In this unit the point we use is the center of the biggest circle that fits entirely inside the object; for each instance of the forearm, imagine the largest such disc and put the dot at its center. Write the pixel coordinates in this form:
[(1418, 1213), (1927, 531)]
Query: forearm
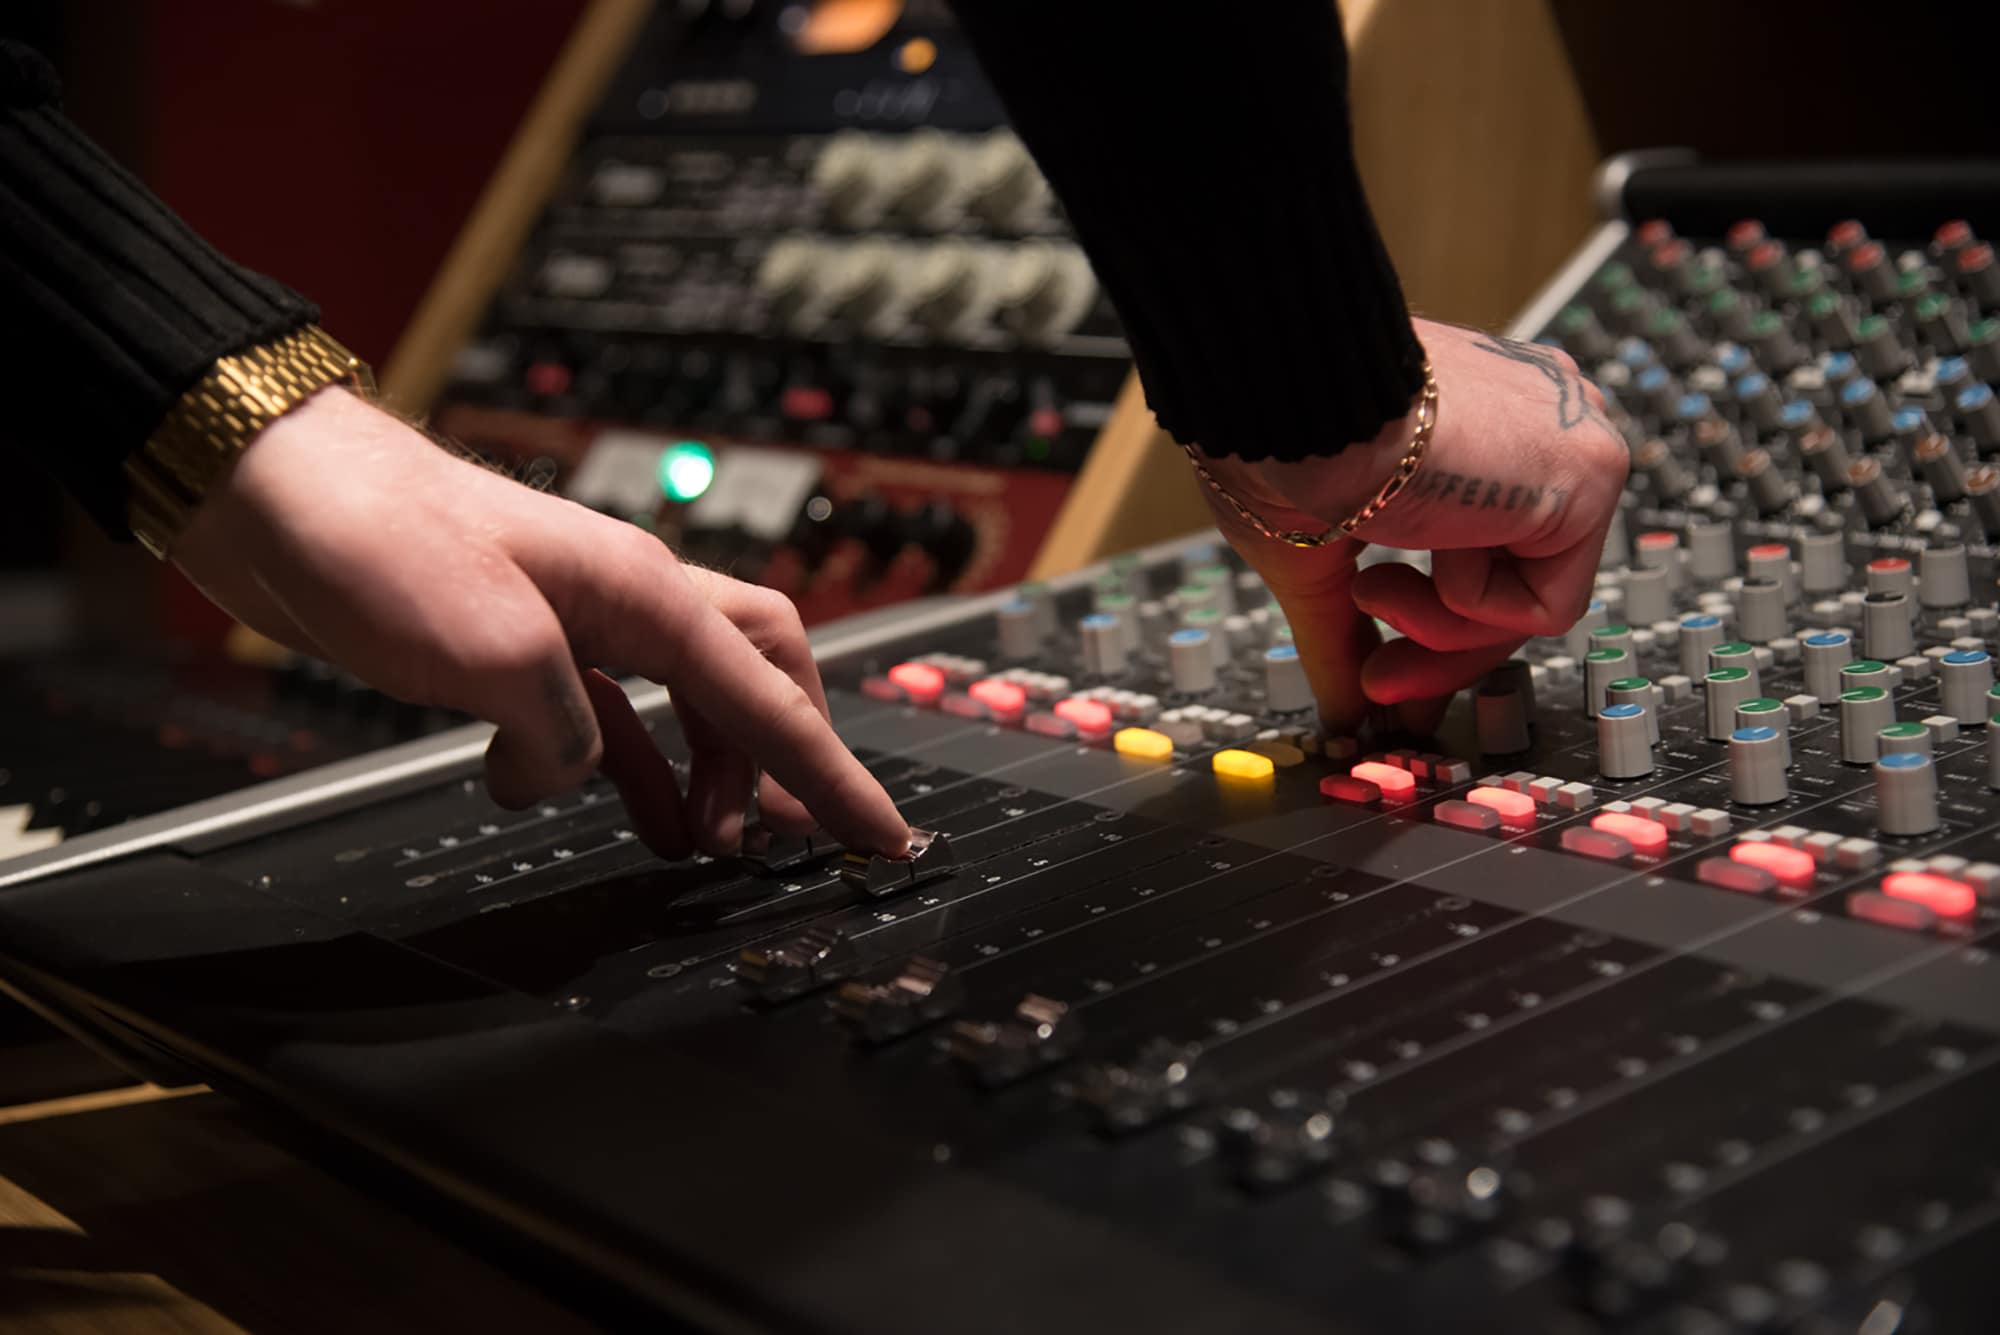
[(1205, 162), (113, 306)]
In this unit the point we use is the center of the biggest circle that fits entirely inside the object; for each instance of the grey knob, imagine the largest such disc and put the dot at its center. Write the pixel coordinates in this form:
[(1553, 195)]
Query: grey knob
[(1285, 685), (1906, 794), (1577, 639), (1898, 737), (1964, 678), (1600, 668), (1211, 620), (1039, 596), (1760, 611), (1727, 689), (1503, 708), (1019, 636), (1943, 578), (1648, 598), (1993, 752), (1939, 464), (1734, 653), (1822, 562), (1869, 410), (1220, 580), (1826, 456), (1125, 610), (1885, 626), (1711, 551), (1770, 560), (1770, 490), (1661, 548), (1881, 499), (1103, 644), (1700, 632), (1764, 712), (1656, 461), (1641, 692), (1756, 767), (1864, 712), (1618, 636), (1824, 654), (1979, 408), (1191, 598), (1892, 574), (1155, 622), (1191, 660), (1624, 751)]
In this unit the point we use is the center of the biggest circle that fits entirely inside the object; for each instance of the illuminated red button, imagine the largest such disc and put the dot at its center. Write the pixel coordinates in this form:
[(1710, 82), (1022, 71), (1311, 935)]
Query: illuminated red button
[(1347, 788), (1886, 912), (1466, 816), (1649, 837), (1738, 876), (1093, 718), (1515, 809), (1790, 866), (920, 681), (806, 403), (1671, 254), (1596, 844), (548, 378), (1004, 698), (1940, 894), (1048, 725), (1397, 785)]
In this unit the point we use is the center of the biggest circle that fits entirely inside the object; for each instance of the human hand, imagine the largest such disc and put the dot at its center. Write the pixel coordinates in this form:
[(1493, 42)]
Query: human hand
[(1513, 500), (345, 534)]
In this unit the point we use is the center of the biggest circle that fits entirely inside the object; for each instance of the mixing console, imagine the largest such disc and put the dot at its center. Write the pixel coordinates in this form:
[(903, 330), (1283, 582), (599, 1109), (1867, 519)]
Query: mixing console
[(839, 274), (1654, 994)]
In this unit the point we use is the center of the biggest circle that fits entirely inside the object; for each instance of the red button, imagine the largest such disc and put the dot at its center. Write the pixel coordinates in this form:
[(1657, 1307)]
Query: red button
[(1347, 788), (1466, 816), (1516, 809), (806, 403), (1091, 717), (1004, 698), (1940, 894), (1770, 549), (548, 378), (1743, 235), (1866, 256), (1953, 234), (1763, 256), (922, 682), (1886, 912), (1668, 254), (1655, 230), (1046, 423), (1398, 785), (1846, 235), (1791, 866), (1596, 844), (1885, 564), (1740, 876), (1649, 837), (1658, 540), (1975, 258)]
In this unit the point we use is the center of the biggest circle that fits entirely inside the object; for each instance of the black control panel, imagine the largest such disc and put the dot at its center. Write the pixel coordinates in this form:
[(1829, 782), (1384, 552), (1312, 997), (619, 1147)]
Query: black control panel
[(1653, 994), (815, 250)]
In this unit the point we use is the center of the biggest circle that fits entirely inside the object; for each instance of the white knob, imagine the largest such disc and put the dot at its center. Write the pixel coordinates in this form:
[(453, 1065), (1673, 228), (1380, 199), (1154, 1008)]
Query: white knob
[(1003, 184), (949, 286), (924, 178), (848, 176), (1045, 291)]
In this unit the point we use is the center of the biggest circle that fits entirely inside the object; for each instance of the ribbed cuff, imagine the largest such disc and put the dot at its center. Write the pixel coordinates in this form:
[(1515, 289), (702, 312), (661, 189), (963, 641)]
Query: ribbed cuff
[(114, 307)]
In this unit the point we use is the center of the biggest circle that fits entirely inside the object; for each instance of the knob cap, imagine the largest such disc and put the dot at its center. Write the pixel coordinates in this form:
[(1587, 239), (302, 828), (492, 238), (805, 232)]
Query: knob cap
[(1764, 712), (1700, 632), (1906, 794), (1864, 712), (1191, 658), (1601, 667), (1756, 767), (1964, 678), (1285, 687), (1624, 750), (1727, 689), (1823, 655), (1103, 644)]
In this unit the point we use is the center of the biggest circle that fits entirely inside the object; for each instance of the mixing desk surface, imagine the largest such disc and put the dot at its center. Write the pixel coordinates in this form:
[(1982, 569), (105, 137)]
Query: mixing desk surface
[(1654, 994)]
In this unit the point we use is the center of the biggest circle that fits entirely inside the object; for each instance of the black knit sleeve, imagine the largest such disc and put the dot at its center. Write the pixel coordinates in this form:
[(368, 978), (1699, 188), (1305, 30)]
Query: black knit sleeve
[(1202, 151), (112, 307)]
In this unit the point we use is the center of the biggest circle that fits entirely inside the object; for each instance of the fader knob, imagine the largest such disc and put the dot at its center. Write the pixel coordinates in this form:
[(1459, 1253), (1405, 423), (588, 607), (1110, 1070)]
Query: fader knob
[(1103, 644), (1822, 561), (1824, 654), (1885, 626), (1942, 577), (1864, 712), (1964, 678), (1647, 596), (1624, 751), (1020, 637), (1285, 686), (1700, 632), (1191, 659), (1727, 688), (1760, 610), (1756, 767), (1906, 793)]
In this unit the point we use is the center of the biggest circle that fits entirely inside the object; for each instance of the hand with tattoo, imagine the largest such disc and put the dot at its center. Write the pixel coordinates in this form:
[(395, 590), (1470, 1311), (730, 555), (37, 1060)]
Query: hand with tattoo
[(1512, 501), (345, 534)]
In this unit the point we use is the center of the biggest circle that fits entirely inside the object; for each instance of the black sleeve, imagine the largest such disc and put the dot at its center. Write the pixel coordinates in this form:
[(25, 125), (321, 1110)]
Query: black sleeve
[(1201, 149), (112, 307)]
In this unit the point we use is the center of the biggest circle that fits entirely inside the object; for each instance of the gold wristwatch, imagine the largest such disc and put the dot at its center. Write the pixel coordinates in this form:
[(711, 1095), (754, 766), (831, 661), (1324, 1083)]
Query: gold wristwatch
[(215, 421)]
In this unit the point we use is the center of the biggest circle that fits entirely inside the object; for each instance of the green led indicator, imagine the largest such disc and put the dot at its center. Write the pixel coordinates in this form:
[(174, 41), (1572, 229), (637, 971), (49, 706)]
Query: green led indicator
[(1037, 448), (686, 469)]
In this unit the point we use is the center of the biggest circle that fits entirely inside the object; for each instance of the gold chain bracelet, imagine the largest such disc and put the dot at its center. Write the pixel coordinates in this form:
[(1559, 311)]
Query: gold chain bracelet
[(1406, 467)]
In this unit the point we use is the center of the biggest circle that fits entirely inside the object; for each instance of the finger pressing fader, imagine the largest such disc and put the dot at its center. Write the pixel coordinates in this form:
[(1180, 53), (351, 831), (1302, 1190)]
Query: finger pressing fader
[(930, 857)]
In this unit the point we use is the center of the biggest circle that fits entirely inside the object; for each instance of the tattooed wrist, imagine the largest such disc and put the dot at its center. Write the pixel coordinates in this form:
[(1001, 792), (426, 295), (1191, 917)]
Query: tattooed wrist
[(1474, 492)]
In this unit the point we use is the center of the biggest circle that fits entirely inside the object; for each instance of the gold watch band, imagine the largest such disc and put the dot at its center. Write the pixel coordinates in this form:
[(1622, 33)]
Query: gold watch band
[(215, 421)]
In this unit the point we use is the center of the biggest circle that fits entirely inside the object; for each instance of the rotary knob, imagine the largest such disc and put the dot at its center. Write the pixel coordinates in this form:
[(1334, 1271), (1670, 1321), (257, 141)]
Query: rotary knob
[(924, 178), (1192, 660), (949, 286), (1020, 636), (786, 279), (848, 177), (1003, 184), (856, 281), (1103, 644), (1906, 793), (1285, 687), (1756, 766), (1624, 750), (1045, 291)]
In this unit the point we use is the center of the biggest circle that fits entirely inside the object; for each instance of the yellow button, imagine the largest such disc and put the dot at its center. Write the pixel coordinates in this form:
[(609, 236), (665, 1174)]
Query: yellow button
[(1282, 754), (1143, 744), (1242, 765)]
